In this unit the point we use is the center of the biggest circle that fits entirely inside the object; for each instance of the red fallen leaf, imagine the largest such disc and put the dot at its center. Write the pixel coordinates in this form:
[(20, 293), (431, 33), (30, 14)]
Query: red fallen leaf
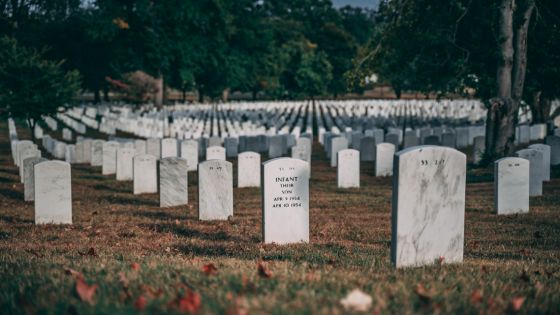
[(516, 303), (476, 297), (190, 302), (135, 266), (209, 269), (85, 291), (140, 303), (73, 273), (90, 252), (263, 270), (422, 293)]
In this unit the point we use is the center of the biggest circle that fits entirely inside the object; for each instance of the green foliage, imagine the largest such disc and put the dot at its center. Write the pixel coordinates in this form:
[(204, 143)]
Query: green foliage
[(30, 85)]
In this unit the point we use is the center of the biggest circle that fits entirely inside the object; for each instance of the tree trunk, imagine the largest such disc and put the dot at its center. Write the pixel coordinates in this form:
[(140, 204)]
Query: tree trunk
[(183, 95), (540, 108), (105, 95), (502, 113), (158, 101), (96, 96)]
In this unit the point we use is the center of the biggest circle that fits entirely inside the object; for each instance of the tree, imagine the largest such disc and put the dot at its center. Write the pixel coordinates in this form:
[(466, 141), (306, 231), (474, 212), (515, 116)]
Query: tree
[(31, 86), (451, 46)]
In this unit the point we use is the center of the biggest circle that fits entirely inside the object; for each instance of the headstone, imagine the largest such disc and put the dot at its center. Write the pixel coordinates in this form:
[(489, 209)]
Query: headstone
[(545, 150), (139, 147), (29, 177), (410, 139), (144, 174), (249, 169), (109, 166), (87, 150), (511, 185), (53, 193), (428, 206), (367, 149), (478, 149), (535, 170), (97, 153), (356, 140), (168, 148), (392, 138), (348, 170), (80, 156), (215, 153), (189, 151), (215, 142), (153, 147), (462, 139), (24, 154), (275, 147), (554, 143), (215, 190), (231, 146), (337, 144), (384, 159), (432, 140), (448, 139), (285, 196), (524, 134), (124, 163), (70, 155), (173, 182)]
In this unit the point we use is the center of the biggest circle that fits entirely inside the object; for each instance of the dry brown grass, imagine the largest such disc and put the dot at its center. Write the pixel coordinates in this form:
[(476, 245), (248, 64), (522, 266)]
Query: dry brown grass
[(505, 257)]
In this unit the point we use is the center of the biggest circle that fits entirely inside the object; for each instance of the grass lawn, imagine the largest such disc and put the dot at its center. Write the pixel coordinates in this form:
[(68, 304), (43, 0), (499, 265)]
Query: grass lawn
[(139, 257)]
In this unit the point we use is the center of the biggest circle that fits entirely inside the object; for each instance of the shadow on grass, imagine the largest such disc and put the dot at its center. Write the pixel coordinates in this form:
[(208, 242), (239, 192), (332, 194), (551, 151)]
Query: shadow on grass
[(11, 219), (131, 201), (12, 194), (218, 236)]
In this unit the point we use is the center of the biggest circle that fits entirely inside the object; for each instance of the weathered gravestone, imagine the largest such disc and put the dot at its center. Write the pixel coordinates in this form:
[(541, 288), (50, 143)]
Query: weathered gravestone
[(410, 139), (448, 139), (384, 159), (53, 193), (70, 155), (124, 163), (478, 149), (24, 154), (392, 138), (29, 177), (215, 153), (348, 171), (21, 146), (215, 190), (60, 150), (87, 150), (337, 144), (275, 146), (511, 185), (144, 171), (545, 150), (139, 147), (80, 157), (535, 170), (367, 149), (96, 153), (231, 145), (168, 148), (428, 206), (153, 147), (285, 198), (173, 182), (249, 169), (109, 166), (554, 143), (189, 151), (432, 140)]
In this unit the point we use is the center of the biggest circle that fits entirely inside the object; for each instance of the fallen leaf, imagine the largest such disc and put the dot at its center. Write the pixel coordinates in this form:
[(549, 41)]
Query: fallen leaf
[(85, 291), (422, 293), (516, 303), (263, 270), (476, 297), (140, 303), (73, 273), (135, 266), (190, 302), (209, 269), (90, 252), (356, 301)]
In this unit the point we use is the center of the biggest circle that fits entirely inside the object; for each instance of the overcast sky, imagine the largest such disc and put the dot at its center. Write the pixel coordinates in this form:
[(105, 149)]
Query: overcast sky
[(372, 4)]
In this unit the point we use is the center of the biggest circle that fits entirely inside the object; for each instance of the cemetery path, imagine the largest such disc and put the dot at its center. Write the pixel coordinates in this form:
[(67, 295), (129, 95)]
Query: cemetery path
[(130, 248)]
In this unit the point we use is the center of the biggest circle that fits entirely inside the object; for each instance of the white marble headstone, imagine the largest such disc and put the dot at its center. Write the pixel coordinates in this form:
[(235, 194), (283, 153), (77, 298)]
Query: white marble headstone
[(29, 177), (124, 163), (109, 166), (384, 159), (144, 174), (337, 144), (511, 185), (215, 153), (215, 190), (535, 158), (428, 213), (173, 182), (348, 169), (168, 147), (285, 196), (545, 150), (53, 193), (248, 169), (189, 151)]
